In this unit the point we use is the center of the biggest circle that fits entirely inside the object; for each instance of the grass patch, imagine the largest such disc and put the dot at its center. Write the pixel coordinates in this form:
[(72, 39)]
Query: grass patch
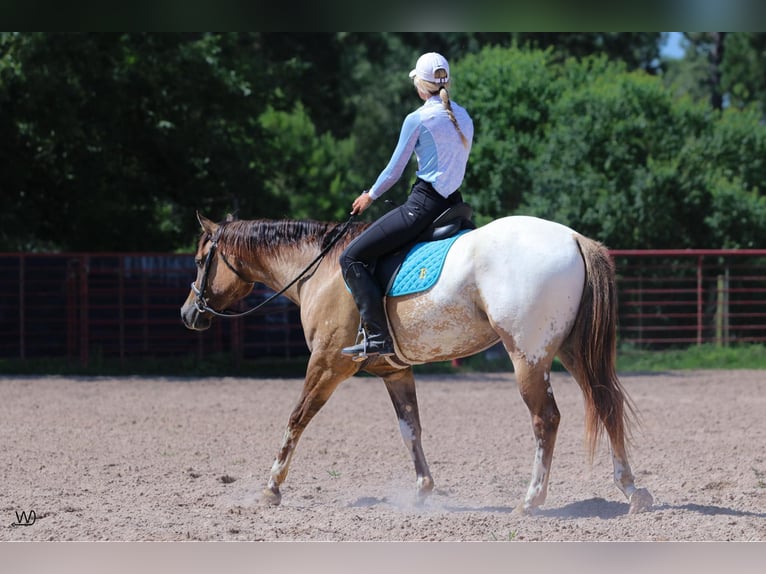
[(695, 357), (510, 537), (493, 360), (628, 360)]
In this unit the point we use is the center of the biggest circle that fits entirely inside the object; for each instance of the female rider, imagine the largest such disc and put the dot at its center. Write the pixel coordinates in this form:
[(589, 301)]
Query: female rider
[(440, 133)]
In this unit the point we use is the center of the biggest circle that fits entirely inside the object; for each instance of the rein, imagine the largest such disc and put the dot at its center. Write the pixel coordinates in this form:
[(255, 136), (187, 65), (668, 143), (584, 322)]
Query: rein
[(201, 303)]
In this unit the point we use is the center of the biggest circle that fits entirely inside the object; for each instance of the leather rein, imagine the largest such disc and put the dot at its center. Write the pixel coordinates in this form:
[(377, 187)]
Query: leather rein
[(201, 302)]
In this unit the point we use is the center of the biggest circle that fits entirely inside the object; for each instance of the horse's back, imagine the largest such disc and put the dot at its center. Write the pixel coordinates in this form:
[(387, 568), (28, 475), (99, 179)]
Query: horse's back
[(517, 278), (529, 250)]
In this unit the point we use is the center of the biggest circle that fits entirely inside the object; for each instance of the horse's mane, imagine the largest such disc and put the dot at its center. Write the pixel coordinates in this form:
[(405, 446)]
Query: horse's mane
[(267, 237)]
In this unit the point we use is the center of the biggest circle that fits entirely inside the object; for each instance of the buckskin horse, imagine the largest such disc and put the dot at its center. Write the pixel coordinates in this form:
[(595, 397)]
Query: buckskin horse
[(537, 286)]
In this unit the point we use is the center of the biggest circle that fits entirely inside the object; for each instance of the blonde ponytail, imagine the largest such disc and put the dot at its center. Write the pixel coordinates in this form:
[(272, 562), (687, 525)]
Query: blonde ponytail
[(442, 89), (444, 96)]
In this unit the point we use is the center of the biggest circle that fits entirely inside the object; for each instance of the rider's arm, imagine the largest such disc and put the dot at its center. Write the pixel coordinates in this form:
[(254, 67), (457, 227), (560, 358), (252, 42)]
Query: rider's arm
[(401, 156)]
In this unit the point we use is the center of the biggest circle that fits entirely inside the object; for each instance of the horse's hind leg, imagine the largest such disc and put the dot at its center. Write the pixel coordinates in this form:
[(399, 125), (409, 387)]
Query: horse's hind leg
[(401, 389), (640, 498), (535, 388)]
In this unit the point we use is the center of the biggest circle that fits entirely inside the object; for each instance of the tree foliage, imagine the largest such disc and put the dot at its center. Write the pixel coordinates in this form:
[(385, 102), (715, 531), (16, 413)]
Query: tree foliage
[(612, 152), (732, 65), (110, 142)]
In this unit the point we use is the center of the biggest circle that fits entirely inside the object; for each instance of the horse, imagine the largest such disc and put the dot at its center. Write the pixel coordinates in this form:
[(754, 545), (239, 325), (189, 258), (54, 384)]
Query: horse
[(538, 287)]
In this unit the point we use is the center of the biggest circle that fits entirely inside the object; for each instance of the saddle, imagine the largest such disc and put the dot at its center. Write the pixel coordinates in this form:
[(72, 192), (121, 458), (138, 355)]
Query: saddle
[(454, 220)]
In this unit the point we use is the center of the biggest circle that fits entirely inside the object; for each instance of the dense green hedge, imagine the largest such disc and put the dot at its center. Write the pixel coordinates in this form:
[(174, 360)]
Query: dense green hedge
[(612, 153), (110, 142)]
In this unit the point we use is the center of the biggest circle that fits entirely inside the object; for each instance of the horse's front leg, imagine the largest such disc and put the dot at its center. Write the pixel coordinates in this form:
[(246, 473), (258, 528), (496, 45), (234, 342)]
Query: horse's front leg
[(401, 389), (322, 378)]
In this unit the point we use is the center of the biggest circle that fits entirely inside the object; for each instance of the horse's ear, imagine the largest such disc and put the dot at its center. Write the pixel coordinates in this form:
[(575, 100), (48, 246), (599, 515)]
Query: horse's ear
[(208, 226)]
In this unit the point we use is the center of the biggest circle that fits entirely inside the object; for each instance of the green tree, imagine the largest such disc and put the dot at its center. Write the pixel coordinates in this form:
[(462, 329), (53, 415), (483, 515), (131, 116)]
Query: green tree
[(726, 69), (637, 50), (610, 165), (611, 152), (117, 138), (733, 169), (112, 141), (508, 93), (307, 172), (744, 69)]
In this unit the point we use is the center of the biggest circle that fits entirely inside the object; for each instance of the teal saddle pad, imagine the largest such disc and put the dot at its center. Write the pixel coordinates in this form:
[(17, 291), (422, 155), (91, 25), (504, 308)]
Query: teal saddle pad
[(422, 266)]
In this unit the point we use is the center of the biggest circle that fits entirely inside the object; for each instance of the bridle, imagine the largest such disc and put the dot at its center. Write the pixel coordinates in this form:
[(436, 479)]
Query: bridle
[(200, 302)]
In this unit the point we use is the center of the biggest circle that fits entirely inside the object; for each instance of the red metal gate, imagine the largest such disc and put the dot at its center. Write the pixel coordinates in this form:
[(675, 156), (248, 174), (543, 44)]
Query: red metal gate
[(127, 305), (679, 297)]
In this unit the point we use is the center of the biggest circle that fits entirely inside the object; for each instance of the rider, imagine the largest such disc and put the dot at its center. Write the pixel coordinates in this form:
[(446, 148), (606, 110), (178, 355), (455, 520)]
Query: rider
[(440, 133)]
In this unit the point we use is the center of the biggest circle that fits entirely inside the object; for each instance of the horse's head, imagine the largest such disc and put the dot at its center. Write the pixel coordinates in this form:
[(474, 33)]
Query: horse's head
[(218, 283)]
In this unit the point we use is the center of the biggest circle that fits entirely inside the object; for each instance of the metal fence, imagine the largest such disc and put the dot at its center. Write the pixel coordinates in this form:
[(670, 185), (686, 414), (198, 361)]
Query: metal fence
[(127, 306), (682, 297), (124, 306)]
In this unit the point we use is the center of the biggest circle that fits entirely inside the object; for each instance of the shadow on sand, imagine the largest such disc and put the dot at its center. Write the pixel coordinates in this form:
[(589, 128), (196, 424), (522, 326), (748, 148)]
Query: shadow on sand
[(591, 508), (608, 509)]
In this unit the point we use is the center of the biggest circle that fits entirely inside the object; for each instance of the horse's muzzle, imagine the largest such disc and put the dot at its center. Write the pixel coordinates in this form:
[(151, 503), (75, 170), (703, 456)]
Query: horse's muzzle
[(192, 318)]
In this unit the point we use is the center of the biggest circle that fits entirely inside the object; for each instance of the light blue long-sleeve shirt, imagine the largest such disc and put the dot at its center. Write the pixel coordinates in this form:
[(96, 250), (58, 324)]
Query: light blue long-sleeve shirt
[(441, 155)]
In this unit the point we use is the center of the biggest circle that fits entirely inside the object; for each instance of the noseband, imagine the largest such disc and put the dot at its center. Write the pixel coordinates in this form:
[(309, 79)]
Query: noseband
[(200, 302)]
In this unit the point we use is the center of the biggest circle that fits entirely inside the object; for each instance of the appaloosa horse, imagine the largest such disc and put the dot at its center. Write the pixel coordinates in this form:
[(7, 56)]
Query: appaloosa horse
[(540, 288)]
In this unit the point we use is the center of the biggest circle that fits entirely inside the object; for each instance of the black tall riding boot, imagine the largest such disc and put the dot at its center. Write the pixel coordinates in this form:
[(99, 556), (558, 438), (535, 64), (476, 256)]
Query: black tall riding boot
[(369, 300)]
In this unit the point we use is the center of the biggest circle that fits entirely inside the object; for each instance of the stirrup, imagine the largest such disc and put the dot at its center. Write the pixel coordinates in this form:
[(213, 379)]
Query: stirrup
[(365, 349)]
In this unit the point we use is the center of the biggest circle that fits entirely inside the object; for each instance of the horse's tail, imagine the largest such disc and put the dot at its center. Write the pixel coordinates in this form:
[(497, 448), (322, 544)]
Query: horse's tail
[(590, 350)]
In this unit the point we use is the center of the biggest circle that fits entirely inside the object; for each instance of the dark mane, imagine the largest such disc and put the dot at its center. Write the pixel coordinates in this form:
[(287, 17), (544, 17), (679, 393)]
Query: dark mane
[(269, 236)]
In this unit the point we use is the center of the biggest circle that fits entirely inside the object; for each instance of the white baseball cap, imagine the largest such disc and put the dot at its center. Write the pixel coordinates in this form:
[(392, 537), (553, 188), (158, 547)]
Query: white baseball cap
[(427, 66)]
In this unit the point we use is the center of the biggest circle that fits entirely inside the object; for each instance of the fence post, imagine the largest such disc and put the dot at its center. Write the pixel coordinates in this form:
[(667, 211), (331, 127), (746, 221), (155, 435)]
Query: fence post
[(699, 299), (121, 262), (722, 309), (84, 323), (237, 341), (726, 322), (22, 310)]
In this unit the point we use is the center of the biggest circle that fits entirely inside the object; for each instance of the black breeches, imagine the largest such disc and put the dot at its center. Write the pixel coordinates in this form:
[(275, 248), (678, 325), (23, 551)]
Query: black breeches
[(398, 227)]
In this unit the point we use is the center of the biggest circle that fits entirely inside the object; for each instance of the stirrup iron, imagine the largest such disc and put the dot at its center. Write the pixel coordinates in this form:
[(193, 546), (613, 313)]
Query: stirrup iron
[(358, 354), (364, 348)]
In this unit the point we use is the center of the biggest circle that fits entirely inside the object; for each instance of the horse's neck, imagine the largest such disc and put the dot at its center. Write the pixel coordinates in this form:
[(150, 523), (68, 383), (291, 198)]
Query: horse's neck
[(281, 268)]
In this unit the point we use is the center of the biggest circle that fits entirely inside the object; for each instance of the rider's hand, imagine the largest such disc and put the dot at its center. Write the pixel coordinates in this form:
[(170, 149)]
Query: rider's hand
[(361, 203)]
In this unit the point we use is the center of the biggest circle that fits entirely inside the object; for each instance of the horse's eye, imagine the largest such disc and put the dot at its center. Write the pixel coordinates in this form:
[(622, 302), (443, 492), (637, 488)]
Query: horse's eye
[(198, 262)]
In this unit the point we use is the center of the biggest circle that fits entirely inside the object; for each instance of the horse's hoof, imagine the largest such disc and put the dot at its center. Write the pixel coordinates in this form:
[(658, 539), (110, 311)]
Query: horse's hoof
[(425, 488), (270, 498), (422, 495), (525, 510), (640, 501)]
